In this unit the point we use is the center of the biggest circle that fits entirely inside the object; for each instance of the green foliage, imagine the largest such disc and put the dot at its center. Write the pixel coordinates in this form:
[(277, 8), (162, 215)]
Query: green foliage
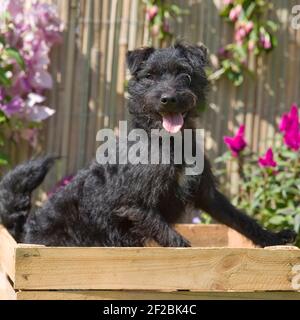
[(271, 195)]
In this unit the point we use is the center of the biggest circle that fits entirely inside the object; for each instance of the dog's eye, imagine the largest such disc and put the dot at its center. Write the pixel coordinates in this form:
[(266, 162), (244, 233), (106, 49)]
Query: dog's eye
[(185, 77), (149, 76), (188, 78)]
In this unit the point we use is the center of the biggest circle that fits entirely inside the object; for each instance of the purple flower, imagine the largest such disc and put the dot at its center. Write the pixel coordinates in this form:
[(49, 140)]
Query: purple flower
[(48, 21), (268, 159), (13, 106), (289, 126), (196, 220), (36, 112), (236, 143)]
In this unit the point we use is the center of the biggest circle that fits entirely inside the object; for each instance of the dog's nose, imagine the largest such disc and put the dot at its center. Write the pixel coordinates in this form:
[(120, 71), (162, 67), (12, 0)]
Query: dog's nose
[(167, 99)]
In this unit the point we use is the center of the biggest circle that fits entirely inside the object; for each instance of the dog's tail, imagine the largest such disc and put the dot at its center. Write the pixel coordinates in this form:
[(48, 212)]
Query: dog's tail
[(15, 192)]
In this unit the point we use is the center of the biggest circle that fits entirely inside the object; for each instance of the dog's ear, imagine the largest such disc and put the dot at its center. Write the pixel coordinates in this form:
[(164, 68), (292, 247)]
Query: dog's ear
[(197, 55), (136, 57)]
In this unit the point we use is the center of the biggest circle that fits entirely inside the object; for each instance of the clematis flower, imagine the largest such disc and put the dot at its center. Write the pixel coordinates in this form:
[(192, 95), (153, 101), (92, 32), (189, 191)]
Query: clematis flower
[(289, 125), (268, 159), (13, 106), (236, 143), (36, 112)]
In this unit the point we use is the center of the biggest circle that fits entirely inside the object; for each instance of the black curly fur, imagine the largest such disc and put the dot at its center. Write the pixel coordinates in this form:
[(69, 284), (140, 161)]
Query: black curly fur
[(127, 205)]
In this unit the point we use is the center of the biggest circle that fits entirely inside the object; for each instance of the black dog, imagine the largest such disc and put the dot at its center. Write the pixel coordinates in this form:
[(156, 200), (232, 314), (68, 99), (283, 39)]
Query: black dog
[(127, 205)]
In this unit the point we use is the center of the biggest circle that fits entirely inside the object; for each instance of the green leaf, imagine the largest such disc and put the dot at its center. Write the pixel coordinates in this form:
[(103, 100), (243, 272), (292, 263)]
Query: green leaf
[(277, 220), (14, 54), (3, 78), (4, 160)]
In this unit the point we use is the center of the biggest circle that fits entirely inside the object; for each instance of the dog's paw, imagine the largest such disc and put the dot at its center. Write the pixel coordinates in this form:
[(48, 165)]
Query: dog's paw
[(280, 238), (286, 237), (180, 241)]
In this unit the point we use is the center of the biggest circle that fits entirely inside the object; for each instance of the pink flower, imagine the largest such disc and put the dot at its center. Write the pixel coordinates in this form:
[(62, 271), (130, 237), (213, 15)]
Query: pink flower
[(240, 34), (289, 125), (249, 26), (152, 12), (235, 12), (227, 2), (265, 42), (268, 159), (236, 143)]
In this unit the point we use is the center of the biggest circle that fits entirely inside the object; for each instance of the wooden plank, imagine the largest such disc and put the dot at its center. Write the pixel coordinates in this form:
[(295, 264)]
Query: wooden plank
[(7, 252), (205, 269), (154, 295), (6, 290), (210, 235)]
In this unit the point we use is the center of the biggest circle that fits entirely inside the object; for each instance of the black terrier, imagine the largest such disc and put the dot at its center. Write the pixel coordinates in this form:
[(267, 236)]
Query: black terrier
[(130, 204)]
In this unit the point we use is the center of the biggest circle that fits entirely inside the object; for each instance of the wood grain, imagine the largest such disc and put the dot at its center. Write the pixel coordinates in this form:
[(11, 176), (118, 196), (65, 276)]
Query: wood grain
[(6, 290), (195, 269), (7, 253), (154, 295)]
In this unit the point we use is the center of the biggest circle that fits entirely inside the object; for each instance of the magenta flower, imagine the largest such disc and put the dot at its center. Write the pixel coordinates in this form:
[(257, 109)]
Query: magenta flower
[(289, 120), (268, 159), (289, 125), (236, 143)]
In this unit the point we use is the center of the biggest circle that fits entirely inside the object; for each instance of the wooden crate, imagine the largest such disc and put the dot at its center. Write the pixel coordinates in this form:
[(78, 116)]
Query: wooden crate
[(221, 264)]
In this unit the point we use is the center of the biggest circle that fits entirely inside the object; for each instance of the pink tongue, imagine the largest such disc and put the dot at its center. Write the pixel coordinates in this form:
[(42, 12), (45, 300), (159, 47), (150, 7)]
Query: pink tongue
[(172, 122)]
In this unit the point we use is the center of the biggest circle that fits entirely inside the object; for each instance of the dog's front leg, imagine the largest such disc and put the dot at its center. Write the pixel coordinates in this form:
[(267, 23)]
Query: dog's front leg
[(151, 225)]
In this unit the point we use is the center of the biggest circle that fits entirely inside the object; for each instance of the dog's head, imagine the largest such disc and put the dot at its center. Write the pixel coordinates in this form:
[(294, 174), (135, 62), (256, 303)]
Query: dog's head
[(167, 85)]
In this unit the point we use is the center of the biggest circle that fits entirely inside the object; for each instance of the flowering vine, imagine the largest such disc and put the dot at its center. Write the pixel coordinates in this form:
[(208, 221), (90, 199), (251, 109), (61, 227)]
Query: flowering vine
[(253, 35), (28, 30)]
